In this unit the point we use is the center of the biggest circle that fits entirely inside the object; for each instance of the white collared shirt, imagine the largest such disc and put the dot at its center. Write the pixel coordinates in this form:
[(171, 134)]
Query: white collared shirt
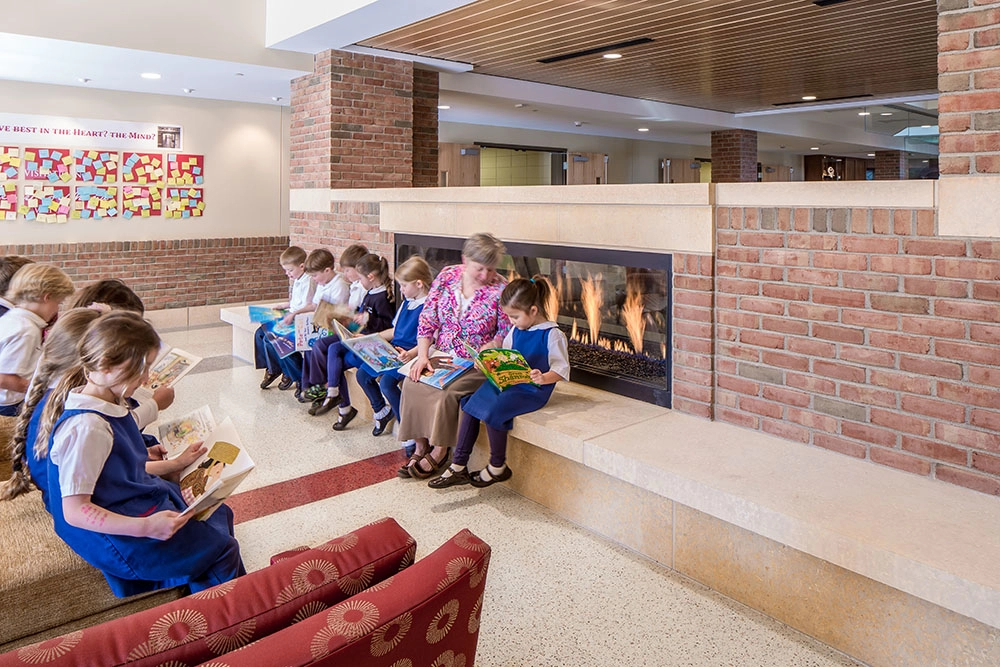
[(20, 347), (6, 304), (81, 444), (303, 290), (358, 293), (338, 290), (557, 344), (411, 304)]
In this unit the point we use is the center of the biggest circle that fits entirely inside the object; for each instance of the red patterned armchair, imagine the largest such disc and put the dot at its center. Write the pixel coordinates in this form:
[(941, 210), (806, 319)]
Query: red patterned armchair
[(355, 600)]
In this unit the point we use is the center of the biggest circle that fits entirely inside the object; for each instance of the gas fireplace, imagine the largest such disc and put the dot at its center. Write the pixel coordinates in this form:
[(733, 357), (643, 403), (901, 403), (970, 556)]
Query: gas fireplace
[(613, 305)]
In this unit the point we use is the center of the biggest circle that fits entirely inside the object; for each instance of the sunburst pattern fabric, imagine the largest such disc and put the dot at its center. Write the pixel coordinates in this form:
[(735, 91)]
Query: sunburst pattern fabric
[(449, 659), (232, 638), (441, 624), (177, 627), (353, 618), (389, 635), (49, 650), (359, 581)]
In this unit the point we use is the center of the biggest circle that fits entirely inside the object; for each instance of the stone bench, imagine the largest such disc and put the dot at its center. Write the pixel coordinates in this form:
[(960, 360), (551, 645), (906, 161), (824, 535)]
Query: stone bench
[(889, 567)]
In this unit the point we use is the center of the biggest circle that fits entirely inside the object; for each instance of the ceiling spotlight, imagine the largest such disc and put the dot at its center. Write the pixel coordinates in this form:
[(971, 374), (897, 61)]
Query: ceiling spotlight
[(871, 155), (519, 105), (83, 79), (643, 129), (885, 113), (189, 90), (864, 113), (814, 148), (612, 56), (578, 123), (443, 107), (925, 126), (808, 98), (238, 74), (277, 99), (150, 75)]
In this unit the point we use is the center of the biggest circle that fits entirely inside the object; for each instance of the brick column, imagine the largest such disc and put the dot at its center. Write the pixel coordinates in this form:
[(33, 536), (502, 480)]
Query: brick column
[(969, 82), (891, 166), (734, 156), (359, 121)]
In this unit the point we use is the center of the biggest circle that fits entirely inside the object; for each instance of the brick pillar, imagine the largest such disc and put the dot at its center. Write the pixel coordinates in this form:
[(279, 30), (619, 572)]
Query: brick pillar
[(969, 82), (891, 166), (359, 121), (425, 129), (734, 156)]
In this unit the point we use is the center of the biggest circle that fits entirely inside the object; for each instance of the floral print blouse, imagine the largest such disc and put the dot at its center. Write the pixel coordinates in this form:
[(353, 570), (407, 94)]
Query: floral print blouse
[(442, 321)]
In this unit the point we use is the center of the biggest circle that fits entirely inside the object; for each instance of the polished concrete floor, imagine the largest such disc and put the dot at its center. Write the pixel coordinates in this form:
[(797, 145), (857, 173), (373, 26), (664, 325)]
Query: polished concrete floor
[(556, 594)]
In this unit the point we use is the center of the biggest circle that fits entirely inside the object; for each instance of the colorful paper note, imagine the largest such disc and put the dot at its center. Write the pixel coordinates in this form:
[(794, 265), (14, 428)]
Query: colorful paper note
[(141, 201), (142, 168), (8, 201), (185, 202), (46, 203), (96, 166), (95, 202), (48, 164), (10, 162), (185, 169)]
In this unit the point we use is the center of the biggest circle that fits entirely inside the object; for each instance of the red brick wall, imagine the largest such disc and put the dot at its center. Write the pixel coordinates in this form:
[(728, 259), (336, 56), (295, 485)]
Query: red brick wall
[(969, 82), (862, 332), (425, 129), (348, 222), (174, 274), (734, 156), (890, 165), (693, 344)]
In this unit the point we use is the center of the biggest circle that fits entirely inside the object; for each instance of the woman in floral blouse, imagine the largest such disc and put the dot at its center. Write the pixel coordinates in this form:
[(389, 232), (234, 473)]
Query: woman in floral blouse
[(463, 305)]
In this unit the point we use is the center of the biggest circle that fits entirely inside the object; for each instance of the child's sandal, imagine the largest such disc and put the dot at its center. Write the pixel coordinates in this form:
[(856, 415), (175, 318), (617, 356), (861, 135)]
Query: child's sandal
[(419, 473), (477, 480)]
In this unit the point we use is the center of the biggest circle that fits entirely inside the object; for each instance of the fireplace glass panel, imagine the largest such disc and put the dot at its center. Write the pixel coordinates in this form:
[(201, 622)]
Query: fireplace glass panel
[(613, 306)]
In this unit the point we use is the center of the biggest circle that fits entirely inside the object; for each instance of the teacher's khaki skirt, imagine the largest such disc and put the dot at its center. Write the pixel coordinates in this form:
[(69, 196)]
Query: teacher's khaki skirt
[(428, 412)]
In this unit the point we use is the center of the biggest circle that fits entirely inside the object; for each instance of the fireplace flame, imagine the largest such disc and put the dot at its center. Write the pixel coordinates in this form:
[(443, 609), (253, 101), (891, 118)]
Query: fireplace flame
[(635, 322), (593, 299)]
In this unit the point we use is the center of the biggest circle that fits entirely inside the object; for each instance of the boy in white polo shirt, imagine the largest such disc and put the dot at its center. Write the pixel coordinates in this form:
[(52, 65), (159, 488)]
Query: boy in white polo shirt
[(300, 300), (36, 291)]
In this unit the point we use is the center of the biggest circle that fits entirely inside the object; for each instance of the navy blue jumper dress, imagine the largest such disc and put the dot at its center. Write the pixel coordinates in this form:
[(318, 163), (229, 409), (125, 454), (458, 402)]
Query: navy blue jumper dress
[(200, 554), (496, 408)]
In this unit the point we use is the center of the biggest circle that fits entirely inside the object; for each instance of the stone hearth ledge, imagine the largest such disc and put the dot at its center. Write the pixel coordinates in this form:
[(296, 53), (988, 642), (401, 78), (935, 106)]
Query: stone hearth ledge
[(926, 538)]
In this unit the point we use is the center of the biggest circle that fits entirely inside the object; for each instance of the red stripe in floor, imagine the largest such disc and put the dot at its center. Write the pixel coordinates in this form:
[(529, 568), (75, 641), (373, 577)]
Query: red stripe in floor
[(283, 496)]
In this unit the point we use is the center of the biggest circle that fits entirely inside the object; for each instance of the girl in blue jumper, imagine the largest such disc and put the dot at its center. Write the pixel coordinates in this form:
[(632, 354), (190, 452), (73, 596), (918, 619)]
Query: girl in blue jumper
[(545, 349), (375, 314), (105, 505), (414, 277)]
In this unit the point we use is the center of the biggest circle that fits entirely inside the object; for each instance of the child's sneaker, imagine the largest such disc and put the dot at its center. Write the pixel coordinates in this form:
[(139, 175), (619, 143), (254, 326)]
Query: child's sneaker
[(316, 392)]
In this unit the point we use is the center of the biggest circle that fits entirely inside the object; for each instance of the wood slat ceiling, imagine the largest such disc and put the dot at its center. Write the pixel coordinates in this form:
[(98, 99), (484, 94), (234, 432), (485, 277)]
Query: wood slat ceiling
[(727, 55)]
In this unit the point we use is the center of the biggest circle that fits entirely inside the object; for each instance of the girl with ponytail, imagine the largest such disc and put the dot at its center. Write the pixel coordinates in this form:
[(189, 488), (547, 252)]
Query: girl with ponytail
[(104, 503)]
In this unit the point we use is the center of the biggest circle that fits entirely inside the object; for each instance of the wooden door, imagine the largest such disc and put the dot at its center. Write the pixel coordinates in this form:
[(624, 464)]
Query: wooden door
[(456, 169), (586, 168)]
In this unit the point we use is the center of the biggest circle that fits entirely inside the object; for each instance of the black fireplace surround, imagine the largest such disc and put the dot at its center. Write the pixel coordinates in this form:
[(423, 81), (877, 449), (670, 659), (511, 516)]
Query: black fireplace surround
[(624, 295)]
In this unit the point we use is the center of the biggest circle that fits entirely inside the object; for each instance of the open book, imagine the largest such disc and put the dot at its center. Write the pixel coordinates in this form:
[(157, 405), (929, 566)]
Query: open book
[(207, 482), (502, 367), (170, 366), (178, 434), (445, 369), (377, 353), (327, 313)]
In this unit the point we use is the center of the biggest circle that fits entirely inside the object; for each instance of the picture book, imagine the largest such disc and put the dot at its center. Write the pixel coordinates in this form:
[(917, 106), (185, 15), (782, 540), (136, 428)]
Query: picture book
[(265, 313), (207, 482), (307, 332), (377, 353), (178, 434), (281, 336), (327, 313), (170, 366), (444, 369), (503, 368)]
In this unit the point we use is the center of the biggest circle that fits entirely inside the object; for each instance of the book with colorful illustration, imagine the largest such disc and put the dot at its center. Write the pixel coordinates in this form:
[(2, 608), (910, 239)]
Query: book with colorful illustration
[(265, 313), (327, 313), (207, 482), (281, 336), (178, 434), (170, 366), (444, 369), (502, 367), (377, 353)]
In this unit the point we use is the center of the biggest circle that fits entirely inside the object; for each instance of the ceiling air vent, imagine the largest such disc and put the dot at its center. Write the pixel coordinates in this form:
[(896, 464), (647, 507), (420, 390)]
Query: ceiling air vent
[(597, 49)]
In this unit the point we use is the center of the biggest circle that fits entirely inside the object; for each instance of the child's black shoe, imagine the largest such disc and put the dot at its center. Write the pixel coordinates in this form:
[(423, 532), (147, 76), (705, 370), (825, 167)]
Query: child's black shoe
[(269, 379), (344, 419), (324, 405), (286, 383), (382, 424)]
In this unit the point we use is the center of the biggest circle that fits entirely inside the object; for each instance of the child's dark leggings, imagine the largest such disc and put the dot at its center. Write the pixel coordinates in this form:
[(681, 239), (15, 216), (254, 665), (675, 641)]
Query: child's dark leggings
[(468, 431)]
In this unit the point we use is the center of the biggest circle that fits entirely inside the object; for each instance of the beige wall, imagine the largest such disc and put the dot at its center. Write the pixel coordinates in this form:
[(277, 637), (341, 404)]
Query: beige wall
[(246, 162)]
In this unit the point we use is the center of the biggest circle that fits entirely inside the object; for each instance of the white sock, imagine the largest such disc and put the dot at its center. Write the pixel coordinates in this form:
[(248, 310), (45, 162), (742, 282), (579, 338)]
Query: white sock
[(452, 469), (383, 413), (344, 409), (333, 391), (408, 443), (490, 472)]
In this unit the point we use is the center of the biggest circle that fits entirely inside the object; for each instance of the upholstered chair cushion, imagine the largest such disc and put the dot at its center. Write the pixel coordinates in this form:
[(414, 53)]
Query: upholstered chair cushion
[(223, 618), (426, 615)]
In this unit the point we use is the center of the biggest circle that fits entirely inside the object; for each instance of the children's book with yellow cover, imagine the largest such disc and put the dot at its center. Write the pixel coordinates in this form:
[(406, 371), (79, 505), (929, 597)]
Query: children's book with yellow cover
[(502, 367), (207, 482)]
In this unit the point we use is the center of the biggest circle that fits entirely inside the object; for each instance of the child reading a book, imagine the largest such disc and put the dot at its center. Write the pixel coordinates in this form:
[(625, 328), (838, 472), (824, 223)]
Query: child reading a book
[(335, 288), (414, 277), (545, 348), (36, 291), (300, 300), (9, 264), (104, 504), (375, 314)]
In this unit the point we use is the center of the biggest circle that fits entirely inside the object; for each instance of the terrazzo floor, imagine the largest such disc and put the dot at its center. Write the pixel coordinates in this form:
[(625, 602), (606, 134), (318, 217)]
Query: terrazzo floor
[(557, 595)]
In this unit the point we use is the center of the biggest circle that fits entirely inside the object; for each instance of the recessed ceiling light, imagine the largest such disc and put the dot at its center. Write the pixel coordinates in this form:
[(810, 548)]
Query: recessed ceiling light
[(150, 75), (885, 113), (644, 129), (864, 113), (808, 98), (612, 56), (83, 79), (277, 99), (189, 90), (871, 155), (925, 126), (814, 148), (443, 107), (926, 160)]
